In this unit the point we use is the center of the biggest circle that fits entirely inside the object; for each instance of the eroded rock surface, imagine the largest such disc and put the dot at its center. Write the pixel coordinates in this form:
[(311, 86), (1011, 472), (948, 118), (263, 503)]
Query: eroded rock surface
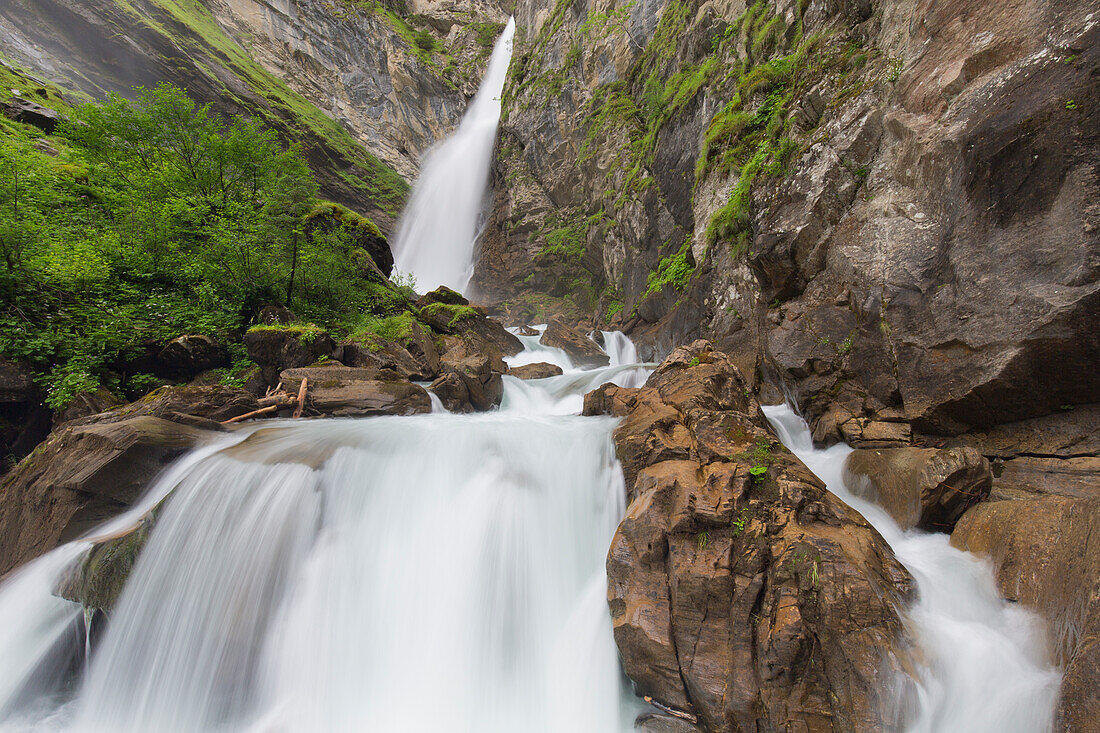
[(741, 592), (921, 487), (81, 476)]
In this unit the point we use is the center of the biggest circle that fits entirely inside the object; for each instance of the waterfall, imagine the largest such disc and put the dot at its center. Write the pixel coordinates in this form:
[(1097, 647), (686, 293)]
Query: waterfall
[(439, 226), (428, 573), (983, 664)]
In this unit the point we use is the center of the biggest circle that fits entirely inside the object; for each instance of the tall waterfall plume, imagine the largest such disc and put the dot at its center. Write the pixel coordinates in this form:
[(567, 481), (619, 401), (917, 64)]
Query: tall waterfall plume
[(439, 226)]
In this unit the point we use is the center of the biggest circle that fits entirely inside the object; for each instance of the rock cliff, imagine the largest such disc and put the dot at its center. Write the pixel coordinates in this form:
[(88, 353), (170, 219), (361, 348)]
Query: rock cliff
[(364, 87), (891, 206)]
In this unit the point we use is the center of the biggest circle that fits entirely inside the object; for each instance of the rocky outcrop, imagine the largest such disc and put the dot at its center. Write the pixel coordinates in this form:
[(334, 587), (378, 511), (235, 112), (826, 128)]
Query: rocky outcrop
[(582, 351), (920, 487), (742, 593), (31, 113), (1037, 528), (81, 476)]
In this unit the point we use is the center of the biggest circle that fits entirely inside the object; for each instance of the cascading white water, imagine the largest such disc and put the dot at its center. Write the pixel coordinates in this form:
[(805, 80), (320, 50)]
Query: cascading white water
[(983, 663), (428, 573), (439, 226)]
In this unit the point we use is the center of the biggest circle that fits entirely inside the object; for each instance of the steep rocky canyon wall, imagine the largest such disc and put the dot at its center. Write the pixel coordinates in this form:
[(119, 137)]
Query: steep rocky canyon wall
[(891, 205), (348, 80)]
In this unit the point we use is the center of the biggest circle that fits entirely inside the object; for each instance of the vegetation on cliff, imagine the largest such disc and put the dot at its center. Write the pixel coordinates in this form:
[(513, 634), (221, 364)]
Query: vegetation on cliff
[(141, 221)]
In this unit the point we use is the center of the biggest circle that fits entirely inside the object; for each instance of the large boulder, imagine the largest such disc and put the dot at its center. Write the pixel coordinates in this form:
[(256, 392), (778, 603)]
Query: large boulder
[(277, 347), (483, 385), (349, 392), (742, 593), (186, 356), (479, 333), (82, 475), (921, 487), (31, 113), (196, 405), (582, 350), (412, 354)]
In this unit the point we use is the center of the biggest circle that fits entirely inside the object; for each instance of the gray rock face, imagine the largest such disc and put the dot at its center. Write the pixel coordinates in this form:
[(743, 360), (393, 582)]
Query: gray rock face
[(923, 259)]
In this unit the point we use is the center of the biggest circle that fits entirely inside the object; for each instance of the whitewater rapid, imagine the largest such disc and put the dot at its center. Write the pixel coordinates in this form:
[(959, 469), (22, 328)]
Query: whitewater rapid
[(442, 219), (429, 573), (983, 664)]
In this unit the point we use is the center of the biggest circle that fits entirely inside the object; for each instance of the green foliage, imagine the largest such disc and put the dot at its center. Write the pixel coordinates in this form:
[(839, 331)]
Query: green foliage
[(424, 40), (613, 307), (675, 270), (453, 314), (390, 328), (158, 219)]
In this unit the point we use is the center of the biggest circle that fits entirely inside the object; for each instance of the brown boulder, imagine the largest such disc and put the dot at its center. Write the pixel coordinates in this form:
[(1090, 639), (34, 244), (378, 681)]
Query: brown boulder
[(921, 487), (275, 348), (609, 399), (582, 350), (741, 591), (452, 392), (95, 580), (538, 370), (1046, 553), (413, 355), (484, 386), (82, 475), (349, 392)]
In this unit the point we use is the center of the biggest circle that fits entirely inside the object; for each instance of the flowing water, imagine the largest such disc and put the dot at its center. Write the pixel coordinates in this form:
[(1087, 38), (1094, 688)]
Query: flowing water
[(436, 573), (428, 573), (440, 223), (984, 664)]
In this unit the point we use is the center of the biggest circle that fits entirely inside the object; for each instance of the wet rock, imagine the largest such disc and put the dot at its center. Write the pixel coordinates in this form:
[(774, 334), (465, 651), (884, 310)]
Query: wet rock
[(921, 487), (609, 399), (275, 348), (442, 294), (186, 356), (657, 723), (96, 578), (538, 370), (350, 392), (582, 350), (484, 387), (373, 352), (452, 392), (82, 475), (1046, 555), (741, 591)]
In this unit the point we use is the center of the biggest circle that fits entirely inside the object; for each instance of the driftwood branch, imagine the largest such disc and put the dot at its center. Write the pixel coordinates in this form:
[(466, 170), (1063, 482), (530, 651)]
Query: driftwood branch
[(254, 413), (301, 398)]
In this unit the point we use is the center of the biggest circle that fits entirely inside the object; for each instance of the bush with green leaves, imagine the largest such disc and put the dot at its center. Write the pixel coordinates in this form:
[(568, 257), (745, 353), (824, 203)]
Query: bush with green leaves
[(159, 218)]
